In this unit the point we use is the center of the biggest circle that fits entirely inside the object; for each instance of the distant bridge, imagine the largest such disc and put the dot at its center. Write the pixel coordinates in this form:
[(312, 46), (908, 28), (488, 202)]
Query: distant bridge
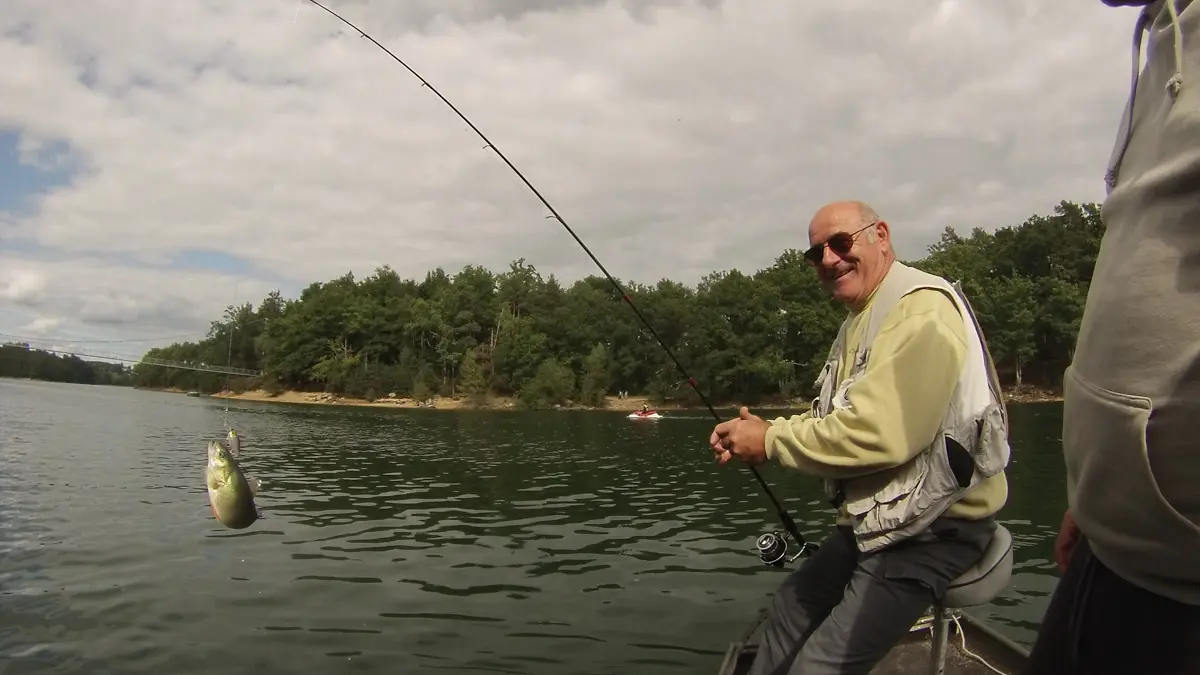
[(148, 360)]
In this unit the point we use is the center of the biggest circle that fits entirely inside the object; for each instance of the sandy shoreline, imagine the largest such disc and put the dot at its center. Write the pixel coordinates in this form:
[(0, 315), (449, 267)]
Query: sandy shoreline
[(628, 404), (613, 403)]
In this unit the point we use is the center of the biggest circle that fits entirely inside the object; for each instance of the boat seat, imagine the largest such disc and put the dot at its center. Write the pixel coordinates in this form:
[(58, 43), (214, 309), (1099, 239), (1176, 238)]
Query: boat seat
[(984, 580)]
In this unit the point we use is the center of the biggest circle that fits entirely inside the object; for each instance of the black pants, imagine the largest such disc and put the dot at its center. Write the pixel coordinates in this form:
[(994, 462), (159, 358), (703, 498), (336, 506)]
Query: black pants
[(1098, 623), (841, 611)]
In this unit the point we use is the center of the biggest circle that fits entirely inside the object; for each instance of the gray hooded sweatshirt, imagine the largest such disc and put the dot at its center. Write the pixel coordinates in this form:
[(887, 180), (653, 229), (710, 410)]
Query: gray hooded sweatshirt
[(1131, 429)]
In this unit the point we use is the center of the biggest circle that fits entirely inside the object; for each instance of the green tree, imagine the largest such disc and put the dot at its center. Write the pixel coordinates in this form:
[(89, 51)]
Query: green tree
[(19, 360), (472, 380), (597, 373), (745, 337), (552, 384)]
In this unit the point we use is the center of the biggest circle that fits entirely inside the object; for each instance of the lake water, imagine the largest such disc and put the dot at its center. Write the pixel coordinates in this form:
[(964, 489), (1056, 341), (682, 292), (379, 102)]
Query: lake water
[(408, 540)]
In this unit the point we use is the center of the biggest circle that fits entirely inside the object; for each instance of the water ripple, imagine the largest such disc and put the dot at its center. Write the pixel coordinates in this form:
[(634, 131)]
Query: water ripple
[(466, 542)]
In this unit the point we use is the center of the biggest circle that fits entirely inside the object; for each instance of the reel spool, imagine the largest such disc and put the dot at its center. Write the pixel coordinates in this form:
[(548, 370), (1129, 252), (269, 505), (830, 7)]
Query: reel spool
[(772, 549)]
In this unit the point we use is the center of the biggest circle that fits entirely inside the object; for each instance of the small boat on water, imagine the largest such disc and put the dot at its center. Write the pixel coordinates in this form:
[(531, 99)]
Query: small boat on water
[(947, 641), (645, 415)]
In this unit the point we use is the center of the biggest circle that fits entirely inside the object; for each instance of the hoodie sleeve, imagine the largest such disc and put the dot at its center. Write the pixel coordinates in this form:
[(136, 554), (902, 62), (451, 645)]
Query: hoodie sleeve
[(897, 404)]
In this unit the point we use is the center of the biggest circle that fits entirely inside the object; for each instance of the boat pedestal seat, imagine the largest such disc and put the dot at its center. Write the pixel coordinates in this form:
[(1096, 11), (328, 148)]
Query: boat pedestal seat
[(987, 578), (982, 582)]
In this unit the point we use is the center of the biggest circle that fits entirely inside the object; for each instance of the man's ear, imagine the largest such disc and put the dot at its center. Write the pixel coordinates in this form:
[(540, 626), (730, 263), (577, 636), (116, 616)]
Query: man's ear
[(884, 233)]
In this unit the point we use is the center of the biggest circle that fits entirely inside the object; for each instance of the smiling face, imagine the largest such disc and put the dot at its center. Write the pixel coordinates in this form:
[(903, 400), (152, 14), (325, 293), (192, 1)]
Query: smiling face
[(851, 251)]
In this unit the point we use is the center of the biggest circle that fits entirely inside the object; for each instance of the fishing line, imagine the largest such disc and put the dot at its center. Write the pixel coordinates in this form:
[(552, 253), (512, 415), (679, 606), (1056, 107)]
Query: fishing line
[(784, 516)]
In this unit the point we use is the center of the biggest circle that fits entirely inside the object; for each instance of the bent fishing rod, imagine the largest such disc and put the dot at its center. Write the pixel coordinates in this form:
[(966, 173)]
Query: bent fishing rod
[(772, 548)]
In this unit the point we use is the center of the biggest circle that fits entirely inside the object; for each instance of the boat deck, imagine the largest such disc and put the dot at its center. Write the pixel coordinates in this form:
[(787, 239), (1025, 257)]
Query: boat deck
[(912, 654)]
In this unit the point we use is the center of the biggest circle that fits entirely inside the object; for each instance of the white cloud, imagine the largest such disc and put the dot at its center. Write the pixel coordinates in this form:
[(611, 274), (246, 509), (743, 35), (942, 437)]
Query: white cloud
[(676, 137), (23, 288), (41, 326)]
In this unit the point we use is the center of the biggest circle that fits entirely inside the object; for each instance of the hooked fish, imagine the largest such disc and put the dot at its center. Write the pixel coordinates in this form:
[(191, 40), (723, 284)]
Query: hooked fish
[(230, 494)]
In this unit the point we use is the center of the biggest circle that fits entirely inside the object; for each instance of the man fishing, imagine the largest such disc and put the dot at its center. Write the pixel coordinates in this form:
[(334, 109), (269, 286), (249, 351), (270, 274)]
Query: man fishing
[(909, 433), (1129, 546)]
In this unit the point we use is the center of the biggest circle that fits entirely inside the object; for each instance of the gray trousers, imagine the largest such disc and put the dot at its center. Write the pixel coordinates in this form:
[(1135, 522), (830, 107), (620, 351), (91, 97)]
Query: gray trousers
[(842, 610)]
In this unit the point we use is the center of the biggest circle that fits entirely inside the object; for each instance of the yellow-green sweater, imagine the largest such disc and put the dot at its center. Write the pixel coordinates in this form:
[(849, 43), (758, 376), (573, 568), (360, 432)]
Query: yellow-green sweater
[(896, 406)]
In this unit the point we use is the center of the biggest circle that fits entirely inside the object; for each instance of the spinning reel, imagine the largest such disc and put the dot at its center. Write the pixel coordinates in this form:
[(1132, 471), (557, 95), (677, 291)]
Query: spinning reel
[(773, 549)]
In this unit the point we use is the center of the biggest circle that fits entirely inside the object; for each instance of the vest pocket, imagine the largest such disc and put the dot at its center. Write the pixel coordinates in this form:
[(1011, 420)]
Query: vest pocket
[(923, 483), (992, 450)]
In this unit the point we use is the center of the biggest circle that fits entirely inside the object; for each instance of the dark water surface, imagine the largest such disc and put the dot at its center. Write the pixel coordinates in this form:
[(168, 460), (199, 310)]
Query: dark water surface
[(398, 541)]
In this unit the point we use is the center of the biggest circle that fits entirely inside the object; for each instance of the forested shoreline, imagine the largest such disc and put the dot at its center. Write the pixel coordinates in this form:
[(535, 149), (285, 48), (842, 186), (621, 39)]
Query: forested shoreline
[(747, 338), (19, 361)]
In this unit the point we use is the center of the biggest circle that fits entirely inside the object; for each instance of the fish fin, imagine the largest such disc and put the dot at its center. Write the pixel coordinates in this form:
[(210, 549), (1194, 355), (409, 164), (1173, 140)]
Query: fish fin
[(212, 481), (255, 485)]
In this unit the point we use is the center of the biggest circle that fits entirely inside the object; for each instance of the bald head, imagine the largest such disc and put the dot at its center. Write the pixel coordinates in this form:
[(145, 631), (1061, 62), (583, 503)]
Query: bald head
[(851, 249), (850, 215)]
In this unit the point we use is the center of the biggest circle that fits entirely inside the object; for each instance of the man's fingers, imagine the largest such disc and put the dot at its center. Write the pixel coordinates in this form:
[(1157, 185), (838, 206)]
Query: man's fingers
[(722, 430), (722, 446)]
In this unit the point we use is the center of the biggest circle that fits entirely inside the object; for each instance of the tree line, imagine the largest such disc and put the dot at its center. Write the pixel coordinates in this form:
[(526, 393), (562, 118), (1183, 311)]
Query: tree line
[(20, 361), (747, 338)]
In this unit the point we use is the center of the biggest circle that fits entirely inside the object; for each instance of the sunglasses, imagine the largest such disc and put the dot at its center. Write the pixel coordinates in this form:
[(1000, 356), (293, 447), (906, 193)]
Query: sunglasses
[(840, 243)]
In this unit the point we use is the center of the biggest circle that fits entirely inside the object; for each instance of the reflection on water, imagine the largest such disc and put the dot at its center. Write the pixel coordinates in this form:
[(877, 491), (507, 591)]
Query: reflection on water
[(406, 540)]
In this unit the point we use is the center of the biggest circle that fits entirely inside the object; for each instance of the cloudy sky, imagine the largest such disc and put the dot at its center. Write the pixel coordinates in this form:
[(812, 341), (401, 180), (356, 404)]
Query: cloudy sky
[(161, 160)]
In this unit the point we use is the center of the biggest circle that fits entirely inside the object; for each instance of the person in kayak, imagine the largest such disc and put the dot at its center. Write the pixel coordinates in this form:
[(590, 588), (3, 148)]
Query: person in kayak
[(909, 433), (1129, 545)]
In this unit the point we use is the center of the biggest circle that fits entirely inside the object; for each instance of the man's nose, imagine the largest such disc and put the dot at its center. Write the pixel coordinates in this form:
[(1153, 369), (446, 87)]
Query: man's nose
[(828, 257)]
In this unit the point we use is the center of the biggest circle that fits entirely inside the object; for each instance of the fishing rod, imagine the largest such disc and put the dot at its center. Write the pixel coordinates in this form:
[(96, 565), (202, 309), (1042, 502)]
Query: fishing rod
[(772, 547)]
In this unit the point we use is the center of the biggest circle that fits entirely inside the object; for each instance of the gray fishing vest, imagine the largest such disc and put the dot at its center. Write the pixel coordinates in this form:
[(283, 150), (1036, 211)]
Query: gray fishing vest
[(973, 436)]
